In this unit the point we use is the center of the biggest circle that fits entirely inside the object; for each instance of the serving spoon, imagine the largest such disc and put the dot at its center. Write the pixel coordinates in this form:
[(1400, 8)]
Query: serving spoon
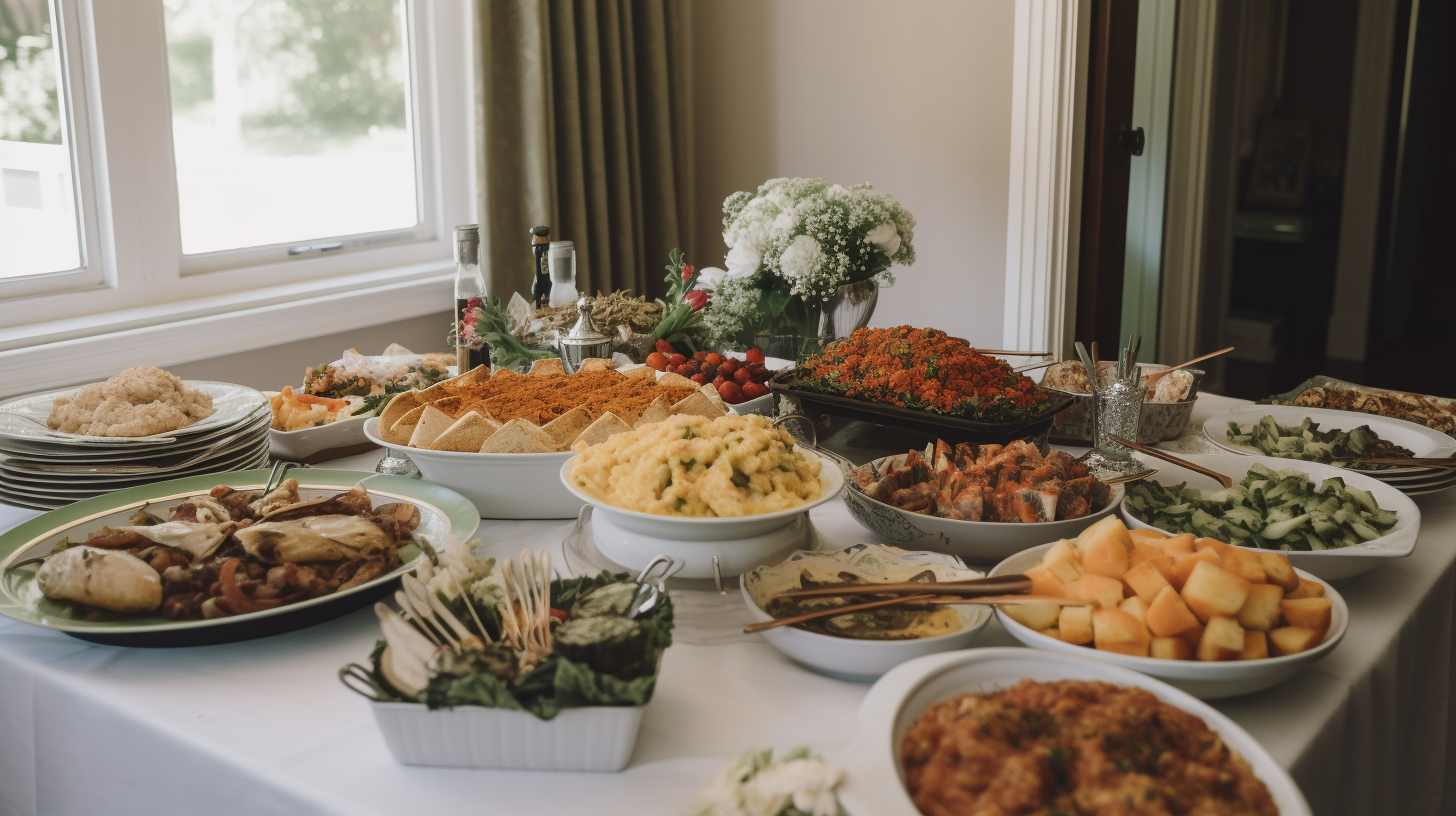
[(1154, 376), (990, 600)]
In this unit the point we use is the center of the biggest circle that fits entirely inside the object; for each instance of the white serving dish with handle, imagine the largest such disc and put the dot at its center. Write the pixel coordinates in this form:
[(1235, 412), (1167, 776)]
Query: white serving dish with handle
[(296, 446), (501, 485), (1203, 679), (1338, 566), (597, 738), (975, 542), (875, 779), (864, 660), (707, 546), (1421, 441)]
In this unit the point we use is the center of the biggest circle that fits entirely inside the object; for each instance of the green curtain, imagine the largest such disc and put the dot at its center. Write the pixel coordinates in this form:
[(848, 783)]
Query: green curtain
[(583, 122)]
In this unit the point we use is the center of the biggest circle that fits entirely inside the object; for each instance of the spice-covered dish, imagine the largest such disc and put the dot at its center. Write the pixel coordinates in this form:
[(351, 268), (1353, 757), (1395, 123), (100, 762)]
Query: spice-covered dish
[(694, 467), (922, 370)]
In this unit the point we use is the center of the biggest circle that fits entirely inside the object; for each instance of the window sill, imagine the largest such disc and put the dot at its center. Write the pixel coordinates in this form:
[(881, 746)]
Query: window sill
[(91, 347)]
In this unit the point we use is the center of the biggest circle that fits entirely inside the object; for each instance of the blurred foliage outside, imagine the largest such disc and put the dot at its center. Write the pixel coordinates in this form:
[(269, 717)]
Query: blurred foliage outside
[(29, 105)]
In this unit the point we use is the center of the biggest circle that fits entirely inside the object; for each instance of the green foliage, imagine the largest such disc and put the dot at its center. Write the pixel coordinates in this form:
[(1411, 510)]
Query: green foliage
[(30, 108)]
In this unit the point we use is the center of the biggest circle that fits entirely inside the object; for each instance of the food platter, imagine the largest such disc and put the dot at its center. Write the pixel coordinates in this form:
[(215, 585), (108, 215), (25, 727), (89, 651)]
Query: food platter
[(1422, 442), (1335, 566), (24, 418), (875, 783), (443, 512)]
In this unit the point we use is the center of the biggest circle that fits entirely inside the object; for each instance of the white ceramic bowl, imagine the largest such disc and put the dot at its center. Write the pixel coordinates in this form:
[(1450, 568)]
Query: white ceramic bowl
[(501, 485), (864, 660), (975, 542), (1206, 680), (632, 538), (305, 442), (1340, 566), (875, 780)]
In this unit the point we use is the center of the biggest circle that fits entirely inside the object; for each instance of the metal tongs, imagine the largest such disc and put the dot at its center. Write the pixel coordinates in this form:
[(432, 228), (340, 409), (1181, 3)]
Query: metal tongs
[(652, 584)]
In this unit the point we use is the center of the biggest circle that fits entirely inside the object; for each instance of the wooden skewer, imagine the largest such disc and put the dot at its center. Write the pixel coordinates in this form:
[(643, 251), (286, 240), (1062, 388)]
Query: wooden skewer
[(1170, 458), (1415, 461), (1154, 376), (1005, 353), (1000, 585), (844, 610)]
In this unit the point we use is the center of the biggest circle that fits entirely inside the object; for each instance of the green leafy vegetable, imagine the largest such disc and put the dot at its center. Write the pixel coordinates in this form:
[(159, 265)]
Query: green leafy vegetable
[(1307, 442)]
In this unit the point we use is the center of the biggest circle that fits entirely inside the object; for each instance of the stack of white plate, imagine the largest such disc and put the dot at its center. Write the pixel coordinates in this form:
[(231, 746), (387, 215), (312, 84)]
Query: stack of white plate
[(46, 469), (1418, 439)]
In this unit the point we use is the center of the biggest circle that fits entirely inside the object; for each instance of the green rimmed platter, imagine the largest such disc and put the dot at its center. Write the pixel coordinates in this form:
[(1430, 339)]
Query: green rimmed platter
[(442, 511)]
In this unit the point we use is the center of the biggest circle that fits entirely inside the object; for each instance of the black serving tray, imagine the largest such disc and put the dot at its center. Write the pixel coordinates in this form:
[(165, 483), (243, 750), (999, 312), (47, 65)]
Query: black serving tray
[(816, 404)]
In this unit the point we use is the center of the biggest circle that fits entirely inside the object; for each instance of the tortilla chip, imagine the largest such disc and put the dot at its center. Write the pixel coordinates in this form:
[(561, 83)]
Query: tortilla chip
[(565, 428), (606, 425), (438, 391), (433, 422), (713, 396), (671, 380), (644, 372), (596, 364), (467, 434), (550, 365), (397, 407), (659, 410), (519, 436), (698, 404)]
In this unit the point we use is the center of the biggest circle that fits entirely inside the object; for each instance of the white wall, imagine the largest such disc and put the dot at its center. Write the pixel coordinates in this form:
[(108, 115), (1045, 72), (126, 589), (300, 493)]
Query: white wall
[(913, 96)]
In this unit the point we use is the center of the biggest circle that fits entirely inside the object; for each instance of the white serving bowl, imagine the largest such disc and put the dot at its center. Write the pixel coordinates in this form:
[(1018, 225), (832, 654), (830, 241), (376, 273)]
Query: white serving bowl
[(864, 660), (1338, 566), (632, 538), (305, 442), (501, 485), (1202, 679), (975, 542), (875, 780)]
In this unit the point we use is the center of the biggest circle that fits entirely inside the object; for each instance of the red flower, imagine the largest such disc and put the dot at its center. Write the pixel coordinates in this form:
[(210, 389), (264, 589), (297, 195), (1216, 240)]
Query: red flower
[(696, 298), (475, 303)]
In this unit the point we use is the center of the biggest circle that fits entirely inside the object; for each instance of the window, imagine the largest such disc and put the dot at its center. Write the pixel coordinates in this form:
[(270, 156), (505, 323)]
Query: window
[(202, 158)]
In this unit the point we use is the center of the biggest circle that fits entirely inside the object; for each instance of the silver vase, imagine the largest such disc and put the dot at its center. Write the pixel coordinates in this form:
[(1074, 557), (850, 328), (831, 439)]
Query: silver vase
[(848, 309)]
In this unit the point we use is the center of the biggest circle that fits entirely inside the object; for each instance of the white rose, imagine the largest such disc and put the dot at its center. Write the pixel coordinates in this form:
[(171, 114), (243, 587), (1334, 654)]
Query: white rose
[(885, 237), (709, 277), (743, 259), (835, 191), (801, 258), (785, 221)]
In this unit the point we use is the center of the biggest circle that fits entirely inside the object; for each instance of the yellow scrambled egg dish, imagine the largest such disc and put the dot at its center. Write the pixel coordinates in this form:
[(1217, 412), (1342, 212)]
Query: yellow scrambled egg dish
[(693, 466)]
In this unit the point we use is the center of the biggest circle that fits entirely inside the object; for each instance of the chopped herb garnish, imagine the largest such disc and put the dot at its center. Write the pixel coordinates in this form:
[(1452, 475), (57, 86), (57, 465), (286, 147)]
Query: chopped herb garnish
[(688, 432), (739, 478), (678, 504)]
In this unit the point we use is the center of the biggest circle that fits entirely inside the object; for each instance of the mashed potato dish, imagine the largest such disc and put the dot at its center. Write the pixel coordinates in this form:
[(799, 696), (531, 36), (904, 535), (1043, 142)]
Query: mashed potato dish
[(692, 466), (139, 401)]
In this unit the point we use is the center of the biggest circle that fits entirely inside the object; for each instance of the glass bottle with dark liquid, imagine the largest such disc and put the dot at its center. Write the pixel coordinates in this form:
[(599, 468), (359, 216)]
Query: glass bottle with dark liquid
[(541, 284), (469, 283)]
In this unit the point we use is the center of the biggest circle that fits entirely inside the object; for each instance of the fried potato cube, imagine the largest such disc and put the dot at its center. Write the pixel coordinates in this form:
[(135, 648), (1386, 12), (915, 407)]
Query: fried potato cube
[(1038, 615), (1110, 527), (1058, 550), (1168, 615), (1306, 589), (1278, 570), (1043, 582), (1183, 566), (1193, 636), (1052, 632), (1145, 580), (1145, 536), (1105, 556), (1245, 564), (1096, 589), (1066, 567), (1261, 609), (1308, 613), (1212, 591), (1201, 544), (1181, 544), (1256, 646), (1144, 553), (1114, 630), (1223, 639), (1170, 648), (1076, 624), (1290, 640), (1135, 606)]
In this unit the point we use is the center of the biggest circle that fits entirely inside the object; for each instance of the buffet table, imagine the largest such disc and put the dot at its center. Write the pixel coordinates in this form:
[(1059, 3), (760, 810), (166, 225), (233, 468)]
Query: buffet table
[(264, 726)]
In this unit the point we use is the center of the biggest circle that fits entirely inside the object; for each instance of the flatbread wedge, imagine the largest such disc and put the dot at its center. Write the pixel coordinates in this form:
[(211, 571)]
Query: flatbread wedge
[(519, 436), (550, 365), (644, 372), (433, 422), (397, 407), (606, 425), (596, 364), (565, 428), (698, 404), (712, 394), (659, 410), (670, 380), (467, 434)]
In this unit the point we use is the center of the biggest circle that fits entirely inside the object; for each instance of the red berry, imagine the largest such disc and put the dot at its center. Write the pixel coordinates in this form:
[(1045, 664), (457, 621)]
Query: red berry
[(700, 355), (741, 376), (731, 393), (729, 366), (754, 356), (713, 357), (754, 390), (701, 378), (664, 346), (719, 380), (677, 359), (657, 360)]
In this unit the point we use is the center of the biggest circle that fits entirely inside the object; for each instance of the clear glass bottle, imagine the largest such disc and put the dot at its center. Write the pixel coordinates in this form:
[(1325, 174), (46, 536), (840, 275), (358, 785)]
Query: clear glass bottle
[(562, 260), (469, 283)]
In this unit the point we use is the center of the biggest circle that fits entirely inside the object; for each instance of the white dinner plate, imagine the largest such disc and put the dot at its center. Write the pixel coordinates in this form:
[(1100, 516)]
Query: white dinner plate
[(24, 418), (101, 481), (1420, 440), (875, 778)]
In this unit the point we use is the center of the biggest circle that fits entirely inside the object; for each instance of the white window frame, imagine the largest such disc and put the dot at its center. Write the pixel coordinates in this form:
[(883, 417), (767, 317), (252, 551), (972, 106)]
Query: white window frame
[(153, 305)]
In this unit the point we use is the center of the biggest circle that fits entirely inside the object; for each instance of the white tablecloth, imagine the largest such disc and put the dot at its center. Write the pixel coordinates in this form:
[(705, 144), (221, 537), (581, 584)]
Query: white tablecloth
[(264, 727)]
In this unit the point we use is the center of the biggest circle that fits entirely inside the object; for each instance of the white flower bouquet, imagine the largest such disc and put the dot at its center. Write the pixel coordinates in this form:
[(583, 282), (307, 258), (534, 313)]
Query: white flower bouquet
[(792, 244)]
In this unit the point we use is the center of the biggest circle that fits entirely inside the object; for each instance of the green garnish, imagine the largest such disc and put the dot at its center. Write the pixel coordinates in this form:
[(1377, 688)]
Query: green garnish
[(678, 504), (739, 478), (688, 432)]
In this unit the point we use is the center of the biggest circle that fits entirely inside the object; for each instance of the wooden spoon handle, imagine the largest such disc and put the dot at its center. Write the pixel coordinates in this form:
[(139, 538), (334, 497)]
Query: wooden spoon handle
[(1000, 585), (1157, 375), (830, 612), (1170, 458)]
